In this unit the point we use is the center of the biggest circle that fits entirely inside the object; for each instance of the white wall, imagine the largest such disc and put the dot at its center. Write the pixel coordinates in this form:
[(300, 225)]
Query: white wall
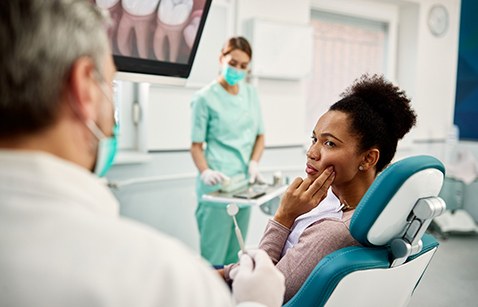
[(279, 10), (427, 67), (283, 101)]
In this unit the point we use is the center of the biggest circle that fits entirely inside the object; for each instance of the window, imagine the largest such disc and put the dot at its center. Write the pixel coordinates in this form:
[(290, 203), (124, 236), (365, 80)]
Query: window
[(345, 47)]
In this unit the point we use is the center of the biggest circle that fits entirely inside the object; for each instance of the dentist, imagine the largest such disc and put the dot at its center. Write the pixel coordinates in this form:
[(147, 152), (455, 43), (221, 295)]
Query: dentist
[(226, 116), (62, 241)]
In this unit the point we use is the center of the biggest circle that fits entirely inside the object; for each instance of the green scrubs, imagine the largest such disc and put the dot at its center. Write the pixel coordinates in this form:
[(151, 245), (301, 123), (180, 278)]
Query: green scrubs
[(229, 125)]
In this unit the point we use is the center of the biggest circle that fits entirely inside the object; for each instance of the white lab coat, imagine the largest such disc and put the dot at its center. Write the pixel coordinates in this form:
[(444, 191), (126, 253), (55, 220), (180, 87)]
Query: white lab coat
[(62, 243)]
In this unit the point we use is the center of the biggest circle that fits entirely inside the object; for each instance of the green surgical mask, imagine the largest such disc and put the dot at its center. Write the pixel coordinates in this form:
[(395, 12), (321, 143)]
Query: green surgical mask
[(107, 148), (232, 75)]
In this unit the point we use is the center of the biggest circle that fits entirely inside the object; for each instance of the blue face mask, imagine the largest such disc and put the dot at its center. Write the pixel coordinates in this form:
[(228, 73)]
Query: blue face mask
[(232, 75), (107, 146)]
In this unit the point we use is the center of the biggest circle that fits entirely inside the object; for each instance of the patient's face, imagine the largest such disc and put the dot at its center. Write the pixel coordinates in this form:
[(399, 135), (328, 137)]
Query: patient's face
[(333, 143)]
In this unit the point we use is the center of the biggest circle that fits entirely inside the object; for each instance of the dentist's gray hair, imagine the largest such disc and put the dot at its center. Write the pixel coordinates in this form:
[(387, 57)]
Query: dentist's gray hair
[(39, 42)]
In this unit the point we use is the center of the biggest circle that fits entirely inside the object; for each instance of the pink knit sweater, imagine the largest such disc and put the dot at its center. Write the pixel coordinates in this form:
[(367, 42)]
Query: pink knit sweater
[(317, 241)]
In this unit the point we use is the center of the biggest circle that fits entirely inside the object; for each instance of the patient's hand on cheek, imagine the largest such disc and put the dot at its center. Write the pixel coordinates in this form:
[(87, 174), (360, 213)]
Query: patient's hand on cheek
[(302, 196)]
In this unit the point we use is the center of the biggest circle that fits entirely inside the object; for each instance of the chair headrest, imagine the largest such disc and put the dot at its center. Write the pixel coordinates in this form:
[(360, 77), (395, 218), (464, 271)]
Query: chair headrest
[(382, 213)]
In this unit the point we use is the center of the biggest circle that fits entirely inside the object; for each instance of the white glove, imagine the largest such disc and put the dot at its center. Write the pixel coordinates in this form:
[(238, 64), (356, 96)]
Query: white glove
[(258, 280), (211, 177), (254, 175)]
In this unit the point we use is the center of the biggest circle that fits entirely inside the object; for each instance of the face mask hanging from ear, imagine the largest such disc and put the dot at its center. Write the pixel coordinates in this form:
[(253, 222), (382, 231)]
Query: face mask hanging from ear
[(232, 75), (107, 148)]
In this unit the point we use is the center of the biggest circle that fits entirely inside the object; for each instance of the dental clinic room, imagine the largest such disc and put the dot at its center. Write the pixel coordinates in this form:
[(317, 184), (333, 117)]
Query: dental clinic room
[(262, 153)]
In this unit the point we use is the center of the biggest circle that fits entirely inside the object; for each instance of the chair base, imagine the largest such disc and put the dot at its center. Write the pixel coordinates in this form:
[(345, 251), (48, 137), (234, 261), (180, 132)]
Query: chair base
[(393, 287)]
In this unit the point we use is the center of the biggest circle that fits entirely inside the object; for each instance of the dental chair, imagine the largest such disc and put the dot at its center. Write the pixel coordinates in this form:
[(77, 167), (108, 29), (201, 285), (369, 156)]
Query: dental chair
[(390, 223)]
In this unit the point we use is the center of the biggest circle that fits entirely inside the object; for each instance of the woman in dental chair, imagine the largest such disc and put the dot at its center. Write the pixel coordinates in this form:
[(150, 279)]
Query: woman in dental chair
[(351, 143)]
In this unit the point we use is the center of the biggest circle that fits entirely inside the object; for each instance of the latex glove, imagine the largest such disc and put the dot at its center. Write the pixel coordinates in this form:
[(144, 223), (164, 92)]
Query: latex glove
[(254, 175), (258, 280), (211, 177)]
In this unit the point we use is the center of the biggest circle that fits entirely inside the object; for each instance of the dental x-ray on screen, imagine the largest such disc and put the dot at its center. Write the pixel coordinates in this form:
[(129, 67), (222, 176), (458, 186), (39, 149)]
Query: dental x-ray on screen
[(157, 37)]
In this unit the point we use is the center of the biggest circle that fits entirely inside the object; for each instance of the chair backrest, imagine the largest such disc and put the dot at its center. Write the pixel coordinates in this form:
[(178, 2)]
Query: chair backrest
[(390, 223)]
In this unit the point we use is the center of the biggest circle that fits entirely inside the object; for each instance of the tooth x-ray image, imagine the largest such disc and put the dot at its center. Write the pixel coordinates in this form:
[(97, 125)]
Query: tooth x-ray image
[(157, 30)]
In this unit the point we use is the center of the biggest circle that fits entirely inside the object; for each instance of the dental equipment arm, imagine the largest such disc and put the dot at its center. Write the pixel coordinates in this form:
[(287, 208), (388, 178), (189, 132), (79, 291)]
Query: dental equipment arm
[(232, 210)]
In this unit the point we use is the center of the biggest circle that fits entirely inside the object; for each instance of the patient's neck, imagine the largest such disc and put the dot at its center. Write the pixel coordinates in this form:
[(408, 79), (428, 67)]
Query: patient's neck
[(350, 194)]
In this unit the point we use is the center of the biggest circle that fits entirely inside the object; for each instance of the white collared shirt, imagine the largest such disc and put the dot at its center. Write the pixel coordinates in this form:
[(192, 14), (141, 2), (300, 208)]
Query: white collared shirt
[(329, 207)]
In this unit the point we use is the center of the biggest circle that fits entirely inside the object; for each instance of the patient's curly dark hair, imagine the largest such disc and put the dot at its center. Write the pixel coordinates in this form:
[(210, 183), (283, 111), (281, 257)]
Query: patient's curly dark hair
[(380, 115)]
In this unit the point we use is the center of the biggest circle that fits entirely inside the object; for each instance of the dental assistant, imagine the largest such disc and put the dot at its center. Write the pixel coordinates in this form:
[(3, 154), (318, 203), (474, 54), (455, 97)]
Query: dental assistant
[(62, 241), (226, 117)]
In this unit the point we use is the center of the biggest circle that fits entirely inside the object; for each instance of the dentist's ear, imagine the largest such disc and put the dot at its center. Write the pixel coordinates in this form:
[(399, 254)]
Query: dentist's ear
[(370, 159), (81, 88)]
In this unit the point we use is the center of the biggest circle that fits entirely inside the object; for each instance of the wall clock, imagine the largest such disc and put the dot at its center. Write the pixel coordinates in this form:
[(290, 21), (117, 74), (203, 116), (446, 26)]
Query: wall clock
[(438, 20)]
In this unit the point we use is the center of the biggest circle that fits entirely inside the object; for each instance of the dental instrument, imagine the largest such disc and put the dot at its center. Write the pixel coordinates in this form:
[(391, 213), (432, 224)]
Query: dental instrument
[(232, 210)]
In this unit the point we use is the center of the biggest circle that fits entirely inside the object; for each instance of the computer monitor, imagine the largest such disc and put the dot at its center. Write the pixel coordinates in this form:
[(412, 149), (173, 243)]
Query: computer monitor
[(155, 40)]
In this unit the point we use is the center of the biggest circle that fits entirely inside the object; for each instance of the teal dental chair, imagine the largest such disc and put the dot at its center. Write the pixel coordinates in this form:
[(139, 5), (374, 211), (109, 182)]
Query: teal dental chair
[(390, 223)]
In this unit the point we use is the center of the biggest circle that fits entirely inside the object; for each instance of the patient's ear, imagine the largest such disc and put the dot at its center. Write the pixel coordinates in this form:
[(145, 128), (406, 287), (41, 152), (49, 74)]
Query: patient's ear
[(370, 158)]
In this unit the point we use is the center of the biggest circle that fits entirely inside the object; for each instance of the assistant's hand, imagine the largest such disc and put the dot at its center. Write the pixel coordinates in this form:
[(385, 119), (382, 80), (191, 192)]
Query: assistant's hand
[(302, 196), (254, 175), (258, 280), (211, 177)]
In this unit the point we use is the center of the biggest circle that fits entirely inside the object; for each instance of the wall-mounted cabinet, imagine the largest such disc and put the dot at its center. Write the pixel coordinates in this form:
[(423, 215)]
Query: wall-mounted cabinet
[(281, 50)]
